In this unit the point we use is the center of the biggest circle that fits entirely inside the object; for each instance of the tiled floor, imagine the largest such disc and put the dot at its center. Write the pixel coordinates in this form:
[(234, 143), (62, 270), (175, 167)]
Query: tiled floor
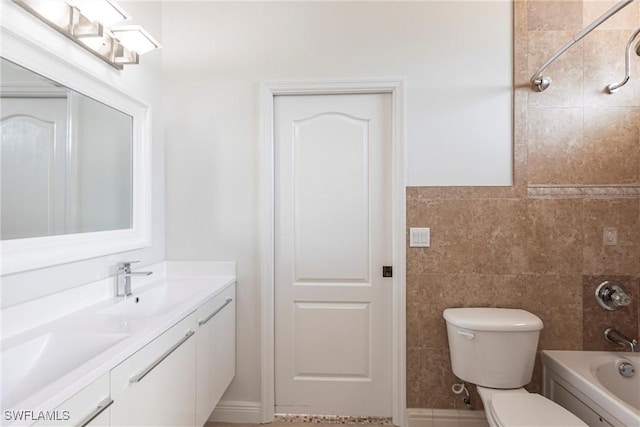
[(417, 418), (290, 424), (316, 421)]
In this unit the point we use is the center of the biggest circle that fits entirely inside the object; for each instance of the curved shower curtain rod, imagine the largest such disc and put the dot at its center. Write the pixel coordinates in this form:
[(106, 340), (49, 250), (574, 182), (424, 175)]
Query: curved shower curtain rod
[(540, 82), (627, 63)]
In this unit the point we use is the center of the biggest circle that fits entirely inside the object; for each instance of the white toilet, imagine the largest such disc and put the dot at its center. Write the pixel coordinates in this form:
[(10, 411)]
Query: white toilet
[(495, 348)]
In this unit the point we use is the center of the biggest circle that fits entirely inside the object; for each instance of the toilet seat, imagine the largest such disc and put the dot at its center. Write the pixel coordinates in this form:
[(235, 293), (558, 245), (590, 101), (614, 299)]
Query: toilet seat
[(530, 410)]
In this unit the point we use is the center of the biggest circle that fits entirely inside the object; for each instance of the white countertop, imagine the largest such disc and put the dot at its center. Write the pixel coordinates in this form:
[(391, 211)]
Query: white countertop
[(184, 294)]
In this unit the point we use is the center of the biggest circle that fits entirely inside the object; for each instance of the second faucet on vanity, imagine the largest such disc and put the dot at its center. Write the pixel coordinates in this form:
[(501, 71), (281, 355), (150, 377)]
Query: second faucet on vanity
[(123, 278)]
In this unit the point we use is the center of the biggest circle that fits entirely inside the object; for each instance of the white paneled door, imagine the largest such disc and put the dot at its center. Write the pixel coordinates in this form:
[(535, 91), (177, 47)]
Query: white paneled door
[(332, 238), (33, 169)]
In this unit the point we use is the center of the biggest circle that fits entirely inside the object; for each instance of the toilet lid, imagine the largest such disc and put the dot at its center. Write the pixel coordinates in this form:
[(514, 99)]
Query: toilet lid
[(530, 409)]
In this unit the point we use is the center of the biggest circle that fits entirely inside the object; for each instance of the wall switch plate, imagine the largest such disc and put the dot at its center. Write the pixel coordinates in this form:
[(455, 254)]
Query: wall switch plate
[(610, 237), (419, 237)]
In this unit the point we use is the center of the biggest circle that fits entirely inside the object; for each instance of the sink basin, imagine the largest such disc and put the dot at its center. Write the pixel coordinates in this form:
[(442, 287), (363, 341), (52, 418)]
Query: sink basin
[(152, 303), (28, 367)]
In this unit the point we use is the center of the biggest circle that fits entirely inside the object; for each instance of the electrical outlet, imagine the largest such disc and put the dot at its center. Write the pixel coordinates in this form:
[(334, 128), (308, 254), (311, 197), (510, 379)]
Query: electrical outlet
[(610, 237)]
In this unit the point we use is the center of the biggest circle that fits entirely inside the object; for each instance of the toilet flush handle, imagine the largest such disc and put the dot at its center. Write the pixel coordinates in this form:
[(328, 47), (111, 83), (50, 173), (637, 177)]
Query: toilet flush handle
[(467, 335)]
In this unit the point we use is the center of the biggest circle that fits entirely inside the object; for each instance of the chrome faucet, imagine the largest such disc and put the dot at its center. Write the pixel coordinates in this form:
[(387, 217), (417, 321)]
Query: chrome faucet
[(123, 278), (616, 337)]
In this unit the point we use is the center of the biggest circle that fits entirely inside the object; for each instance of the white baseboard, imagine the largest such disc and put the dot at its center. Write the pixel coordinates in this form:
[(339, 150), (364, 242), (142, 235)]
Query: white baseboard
[(445, 418), (230, 411)]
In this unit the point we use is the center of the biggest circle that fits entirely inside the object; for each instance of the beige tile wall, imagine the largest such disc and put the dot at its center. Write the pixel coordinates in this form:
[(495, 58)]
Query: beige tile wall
[(501, 247)]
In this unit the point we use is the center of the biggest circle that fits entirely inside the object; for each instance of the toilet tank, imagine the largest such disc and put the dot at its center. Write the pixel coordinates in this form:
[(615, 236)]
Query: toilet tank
[(493, 347)]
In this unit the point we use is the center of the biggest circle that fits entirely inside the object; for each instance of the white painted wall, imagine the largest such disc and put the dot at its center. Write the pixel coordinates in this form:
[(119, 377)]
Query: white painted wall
[(455, 56), (142, 81)]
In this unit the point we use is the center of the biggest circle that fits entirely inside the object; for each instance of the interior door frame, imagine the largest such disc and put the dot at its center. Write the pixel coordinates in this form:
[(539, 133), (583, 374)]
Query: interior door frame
[(268, 90)]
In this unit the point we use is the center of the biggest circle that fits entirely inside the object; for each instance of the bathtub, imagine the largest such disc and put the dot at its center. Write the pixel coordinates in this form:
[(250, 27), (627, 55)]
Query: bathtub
[(589, 384)]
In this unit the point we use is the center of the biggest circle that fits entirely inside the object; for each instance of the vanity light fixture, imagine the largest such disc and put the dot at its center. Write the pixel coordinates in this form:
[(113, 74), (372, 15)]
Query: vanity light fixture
[(91, 24), (106, 12), (135, 38)]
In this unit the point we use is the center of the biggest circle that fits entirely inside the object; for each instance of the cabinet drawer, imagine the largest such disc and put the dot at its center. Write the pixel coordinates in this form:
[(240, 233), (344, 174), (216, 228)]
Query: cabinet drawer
[(156, 385), (88, 407)]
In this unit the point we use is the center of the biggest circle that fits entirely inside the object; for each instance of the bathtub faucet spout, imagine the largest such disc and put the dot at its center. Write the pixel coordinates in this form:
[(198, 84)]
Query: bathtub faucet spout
[(614, 336)]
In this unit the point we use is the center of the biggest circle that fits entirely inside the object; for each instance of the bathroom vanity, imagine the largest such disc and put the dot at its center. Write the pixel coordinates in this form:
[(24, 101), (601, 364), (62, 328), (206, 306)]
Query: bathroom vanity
[(71, 352), (163, 356)]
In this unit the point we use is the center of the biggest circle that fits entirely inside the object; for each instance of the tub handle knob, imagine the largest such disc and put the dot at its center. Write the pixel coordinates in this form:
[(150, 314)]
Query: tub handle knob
[(620, 299), (611, 295), (467, 335)]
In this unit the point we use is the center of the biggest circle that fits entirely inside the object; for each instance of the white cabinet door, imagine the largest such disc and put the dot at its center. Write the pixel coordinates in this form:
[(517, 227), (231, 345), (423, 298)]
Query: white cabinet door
[(216, 355), (88, 407), (156, 386)]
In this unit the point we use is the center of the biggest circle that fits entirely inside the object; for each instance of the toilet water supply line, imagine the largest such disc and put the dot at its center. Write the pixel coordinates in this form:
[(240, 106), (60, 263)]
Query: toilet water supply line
[(459, 389)]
